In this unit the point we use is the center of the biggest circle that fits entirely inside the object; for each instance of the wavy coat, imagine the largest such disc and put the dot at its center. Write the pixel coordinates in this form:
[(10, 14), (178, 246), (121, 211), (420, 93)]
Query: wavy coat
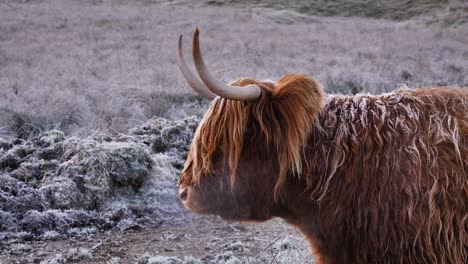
[(385, 177)]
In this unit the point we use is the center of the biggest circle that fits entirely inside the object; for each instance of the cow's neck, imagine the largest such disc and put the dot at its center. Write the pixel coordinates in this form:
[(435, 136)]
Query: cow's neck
[(302, 212)]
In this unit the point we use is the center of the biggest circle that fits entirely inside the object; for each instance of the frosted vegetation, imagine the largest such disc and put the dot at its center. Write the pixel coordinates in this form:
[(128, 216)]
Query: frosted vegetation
[(81, 66), (55, 186)]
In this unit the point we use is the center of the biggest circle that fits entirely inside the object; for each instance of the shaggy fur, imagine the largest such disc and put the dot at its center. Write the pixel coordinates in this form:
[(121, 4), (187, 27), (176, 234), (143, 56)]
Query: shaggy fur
[(384, 178), (389, 175), (283, 117)]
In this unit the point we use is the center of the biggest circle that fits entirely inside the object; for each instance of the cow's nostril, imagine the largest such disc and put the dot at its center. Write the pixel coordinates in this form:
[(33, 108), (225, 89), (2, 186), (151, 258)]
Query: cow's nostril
[(183, 193)]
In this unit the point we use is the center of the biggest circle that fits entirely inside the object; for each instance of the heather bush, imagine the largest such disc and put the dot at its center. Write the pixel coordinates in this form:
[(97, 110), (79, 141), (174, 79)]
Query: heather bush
[(55, 186)]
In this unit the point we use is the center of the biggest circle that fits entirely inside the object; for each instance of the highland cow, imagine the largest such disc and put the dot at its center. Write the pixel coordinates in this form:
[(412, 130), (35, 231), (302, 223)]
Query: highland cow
[(366, 178)]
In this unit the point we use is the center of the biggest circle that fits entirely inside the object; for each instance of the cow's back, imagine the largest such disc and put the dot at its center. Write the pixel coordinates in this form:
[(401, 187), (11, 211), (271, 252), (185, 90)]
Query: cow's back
[(389, 174)]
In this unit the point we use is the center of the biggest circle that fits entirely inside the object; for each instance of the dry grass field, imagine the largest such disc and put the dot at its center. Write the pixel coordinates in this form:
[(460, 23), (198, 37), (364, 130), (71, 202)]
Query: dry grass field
[(83, 66), (102, 75)]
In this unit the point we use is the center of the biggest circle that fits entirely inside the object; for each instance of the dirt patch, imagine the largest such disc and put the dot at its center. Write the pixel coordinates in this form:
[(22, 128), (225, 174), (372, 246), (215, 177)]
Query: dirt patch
[(206, 240)]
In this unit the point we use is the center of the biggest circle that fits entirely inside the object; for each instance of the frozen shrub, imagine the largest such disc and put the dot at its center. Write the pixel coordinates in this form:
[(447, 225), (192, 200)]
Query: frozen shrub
[(102, 169), (171, 137), (82, 232), (4, 145), (23, 236), (147, 259), (53, 152), (48, 138), (163, 134), (34, 170), (16, 197), (237, 246), (71, 186), (10, 185), (79, 254), (154, 203), (35, 221), (114, 260), (191, 260), (24, 149), (127, 224), (20, 249), (7, 221), (57, 259), (233, 260), (227, 258), (25, 125), (61, 193), (119, 164), (51, 235), (9, 160), (178, 135)]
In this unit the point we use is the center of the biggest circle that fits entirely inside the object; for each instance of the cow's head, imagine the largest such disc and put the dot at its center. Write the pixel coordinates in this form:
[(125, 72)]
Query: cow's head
[(250, 141)]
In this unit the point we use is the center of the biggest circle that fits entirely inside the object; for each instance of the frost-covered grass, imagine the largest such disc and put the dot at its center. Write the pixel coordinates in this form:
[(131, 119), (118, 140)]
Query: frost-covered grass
[(73, 255), (390, 9), (114, 260), (55, 186), (79, 254), (237, 246), (57, 259), (81, 66), (223, 258), (149, 259), (20, 249)]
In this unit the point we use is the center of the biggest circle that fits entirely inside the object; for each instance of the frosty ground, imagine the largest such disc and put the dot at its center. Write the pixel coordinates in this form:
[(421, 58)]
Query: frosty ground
[(207, 240), (111, 64), (96, 120), (114, 198)]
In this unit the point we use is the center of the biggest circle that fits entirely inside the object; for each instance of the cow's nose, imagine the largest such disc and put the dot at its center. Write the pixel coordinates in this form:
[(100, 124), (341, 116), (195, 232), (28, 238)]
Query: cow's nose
[(183, 193)]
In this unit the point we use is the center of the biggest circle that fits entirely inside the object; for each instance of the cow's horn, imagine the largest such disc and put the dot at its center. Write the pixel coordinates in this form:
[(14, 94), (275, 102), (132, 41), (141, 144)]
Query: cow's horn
[(193, 81), (249, 92)]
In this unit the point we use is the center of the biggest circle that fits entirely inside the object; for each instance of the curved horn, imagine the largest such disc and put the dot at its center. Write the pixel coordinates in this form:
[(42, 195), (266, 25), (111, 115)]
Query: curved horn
[(193, 81), (249, 92)]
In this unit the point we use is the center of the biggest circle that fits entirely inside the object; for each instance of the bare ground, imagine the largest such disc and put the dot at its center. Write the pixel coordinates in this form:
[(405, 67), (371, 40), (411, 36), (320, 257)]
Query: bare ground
[(208, 240)]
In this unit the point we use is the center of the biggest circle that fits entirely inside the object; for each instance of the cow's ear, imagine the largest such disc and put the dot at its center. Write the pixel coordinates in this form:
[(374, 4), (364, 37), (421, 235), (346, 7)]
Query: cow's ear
[(264, 85), (297, 101), (301, 94)]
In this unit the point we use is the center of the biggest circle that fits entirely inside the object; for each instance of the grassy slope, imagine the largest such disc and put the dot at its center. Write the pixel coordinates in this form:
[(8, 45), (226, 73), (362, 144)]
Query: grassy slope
[(110, 65), (389, 9)]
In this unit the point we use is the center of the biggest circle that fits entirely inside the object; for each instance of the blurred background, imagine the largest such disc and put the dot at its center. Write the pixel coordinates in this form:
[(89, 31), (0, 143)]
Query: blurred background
[(111, 64), (96, 119)]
